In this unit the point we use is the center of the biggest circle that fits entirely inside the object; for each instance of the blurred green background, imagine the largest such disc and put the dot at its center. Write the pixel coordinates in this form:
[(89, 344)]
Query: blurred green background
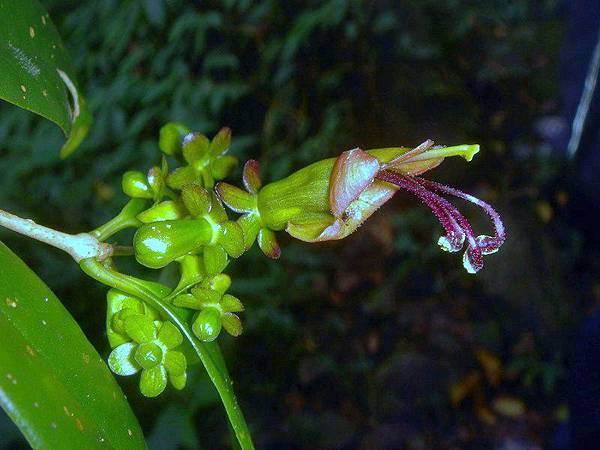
[(381, 340)]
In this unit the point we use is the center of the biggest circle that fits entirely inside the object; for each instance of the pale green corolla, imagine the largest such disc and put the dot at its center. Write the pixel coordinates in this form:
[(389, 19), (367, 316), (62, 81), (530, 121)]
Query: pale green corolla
[(151, 350), (216, 308)]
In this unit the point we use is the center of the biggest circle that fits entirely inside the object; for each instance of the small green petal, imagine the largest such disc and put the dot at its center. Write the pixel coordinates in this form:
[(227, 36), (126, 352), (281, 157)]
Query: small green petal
[(170, 137), (236, 199), (219, 283), (251, 176), (207, 325), (156, 181), (140, 328), (195, 147), (232, 324), (222, 166), (135, 185), (118, 320), (206, 296), (232, 239), (121, 360), (167, 210), (251, 225), (268, 243), (182, 176), (148, 355), (215, 259), (217, 212), (353, 172), (175, 363), (169, 335), (178, 382), (221, 142), (196, 199), (229, 303), (187, 301), (153, 381)]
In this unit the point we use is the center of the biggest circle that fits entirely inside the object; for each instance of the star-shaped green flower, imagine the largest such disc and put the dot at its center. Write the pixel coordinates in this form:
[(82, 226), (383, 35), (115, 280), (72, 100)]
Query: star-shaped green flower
[(228, 236), (151, 352), (245, 202), (206, 160), (120, 306), (216, 308)]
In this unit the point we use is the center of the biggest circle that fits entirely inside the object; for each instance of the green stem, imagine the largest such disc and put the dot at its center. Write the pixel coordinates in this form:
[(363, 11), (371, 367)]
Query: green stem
[(209, 353), (125, 219)]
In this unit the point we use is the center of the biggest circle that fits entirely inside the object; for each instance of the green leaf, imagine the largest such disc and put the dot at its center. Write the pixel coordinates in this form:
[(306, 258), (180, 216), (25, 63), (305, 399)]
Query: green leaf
[(53, 383), (37, 73)]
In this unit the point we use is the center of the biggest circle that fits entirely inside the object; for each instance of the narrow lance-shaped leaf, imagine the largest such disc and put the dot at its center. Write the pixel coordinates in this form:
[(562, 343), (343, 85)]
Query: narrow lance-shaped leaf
[(53, 383), (37, 74)]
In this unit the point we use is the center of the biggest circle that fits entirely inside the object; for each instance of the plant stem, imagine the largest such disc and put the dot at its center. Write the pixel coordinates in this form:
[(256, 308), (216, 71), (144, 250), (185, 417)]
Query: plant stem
[(79, 246), (125, 219), (209, 353)]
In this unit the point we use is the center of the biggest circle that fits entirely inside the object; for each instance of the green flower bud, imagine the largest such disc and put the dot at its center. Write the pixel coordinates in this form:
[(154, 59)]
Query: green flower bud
[(207, 325), (167, 210), (148, 355), (171, 136), (135, 185), (158, 244)]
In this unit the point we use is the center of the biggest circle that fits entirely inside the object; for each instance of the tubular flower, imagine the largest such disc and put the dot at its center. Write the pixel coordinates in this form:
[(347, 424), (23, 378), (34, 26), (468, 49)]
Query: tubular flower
[(330, 199)]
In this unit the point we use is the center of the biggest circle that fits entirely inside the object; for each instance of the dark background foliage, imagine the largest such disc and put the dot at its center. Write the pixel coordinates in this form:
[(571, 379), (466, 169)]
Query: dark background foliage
[(359, 343)]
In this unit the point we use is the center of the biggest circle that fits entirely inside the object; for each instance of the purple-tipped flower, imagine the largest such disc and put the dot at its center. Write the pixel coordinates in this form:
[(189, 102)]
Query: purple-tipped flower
[(330, 199)]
